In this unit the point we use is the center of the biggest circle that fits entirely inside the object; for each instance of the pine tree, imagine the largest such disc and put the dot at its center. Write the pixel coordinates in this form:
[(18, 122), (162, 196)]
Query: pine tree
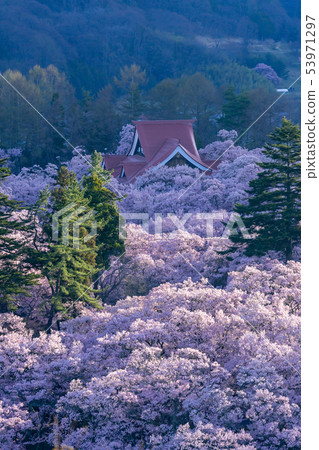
[(103, 202), (130, 80), (272, 215), (234, 110), (15, 276), (69, 262), (55, 141)]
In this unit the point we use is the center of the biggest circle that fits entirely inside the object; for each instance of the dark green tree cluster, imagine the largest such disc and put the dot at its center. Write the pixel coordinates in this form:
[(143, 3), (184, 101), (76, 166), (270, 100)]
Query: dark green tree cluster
[(68, 262), (239, 76), (92, 121), (103, 202), (79, 232), (234, 110), (193, 96), (273, 213)]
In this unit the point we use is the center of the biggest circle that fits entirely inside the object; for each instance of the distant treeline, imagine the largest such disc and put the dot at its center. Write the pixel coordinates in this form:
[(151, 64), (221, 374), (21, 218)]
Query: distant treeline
[(227, 96), (90, 40)]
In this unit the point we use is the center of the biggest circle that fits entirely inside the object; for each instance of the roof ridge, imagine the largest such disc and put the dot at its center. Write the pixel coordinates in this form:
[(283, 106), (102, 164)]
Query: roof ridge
[(155, 122)]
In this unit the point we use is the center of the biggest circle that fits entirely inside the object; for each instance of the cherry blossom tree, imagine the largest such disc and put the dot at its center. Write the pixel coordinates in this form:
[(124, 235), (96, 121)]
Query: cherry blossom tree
[(185, 366), (268, 72), (27, 184), (191, 350), (184, 189), (126, 139), (11, 155)]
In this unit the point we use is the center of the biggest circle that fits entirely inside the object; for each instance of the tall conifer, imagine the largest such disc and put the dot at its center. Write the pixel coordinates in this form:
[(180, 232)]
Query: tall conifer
[(103, 201), (71, 260), (69, 263), (272, 215)]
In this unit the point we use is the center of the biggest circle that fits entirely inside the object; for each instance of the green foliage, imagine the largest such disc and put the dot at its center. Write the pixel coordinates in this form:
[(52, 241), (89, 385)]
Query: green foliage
[(237, 75), (80, 233), (68, 262), (163, 100), (130, 80), (21, 126), (234, 110), (103, 202), (270, 60), (15, 276), (266, 26), (191, 96), (101, 124), (94, 121), (95, 37), (273, 215)]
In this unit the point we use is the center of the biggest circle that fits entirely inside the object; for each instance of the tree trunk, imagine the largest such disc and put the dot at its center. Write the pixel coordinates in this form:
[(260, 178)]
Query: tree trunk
[(50, 320), (289, 252)]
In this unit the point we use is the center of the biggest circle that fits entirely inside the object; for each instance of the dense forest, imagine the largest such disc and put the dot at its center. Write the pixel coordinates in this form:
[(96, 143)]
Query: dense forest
[(90, 40), (92, 66)]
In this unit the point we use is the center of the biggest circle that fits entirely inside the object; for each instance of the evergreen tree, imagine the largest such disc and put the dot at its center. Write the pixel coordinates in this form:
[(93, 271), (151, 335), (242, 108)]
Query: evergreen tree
[(198, 99), (130, 80), (14, 267), (55, 142), (102, 124), (72, 259), (234, 110), (164, 100), (69, 261), (102, 201), (272, 215)]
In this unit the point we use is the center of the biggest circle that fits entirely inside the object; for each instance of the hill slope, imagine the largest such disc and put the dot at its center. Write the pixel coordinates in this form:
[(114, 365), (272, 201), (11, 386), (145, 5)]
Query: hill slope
[(92, 39)]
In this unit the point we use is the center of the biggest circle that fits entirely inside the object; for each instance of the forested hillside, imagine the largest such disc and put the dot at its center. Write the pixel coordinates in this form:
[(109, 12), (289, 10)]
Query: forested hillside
[(92, 66), (90, 40)]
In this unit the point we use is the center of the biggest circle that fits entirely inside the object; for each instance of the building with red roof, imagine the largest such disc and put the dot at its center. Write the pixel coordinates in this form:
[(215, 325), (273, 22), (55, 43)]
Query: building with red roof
[(157, 143)]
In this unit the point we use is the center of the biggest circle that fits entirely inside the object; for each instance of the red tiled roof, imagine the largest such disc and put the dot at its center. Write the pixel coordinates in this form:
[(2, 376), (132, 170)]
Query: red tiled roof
[(158, 139), (111, 161), (153, 134)]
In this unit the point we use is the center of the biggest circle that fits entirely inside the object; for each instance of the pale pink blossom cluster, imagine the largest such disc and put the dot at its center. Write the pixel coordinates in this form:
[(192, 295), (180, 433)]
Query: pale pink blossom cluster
[(27, 184), (268, 72), (192, 350), (186, 366), (176, 255), (184, 189), (176, 189), (126, 139), (11, 155)]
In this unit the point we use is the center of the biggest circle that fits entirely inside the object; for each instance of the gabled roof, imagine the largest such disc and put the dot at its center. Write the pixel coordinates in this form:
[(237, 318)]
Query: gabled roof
[(153, 134), (111, 161), (160, 140)]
